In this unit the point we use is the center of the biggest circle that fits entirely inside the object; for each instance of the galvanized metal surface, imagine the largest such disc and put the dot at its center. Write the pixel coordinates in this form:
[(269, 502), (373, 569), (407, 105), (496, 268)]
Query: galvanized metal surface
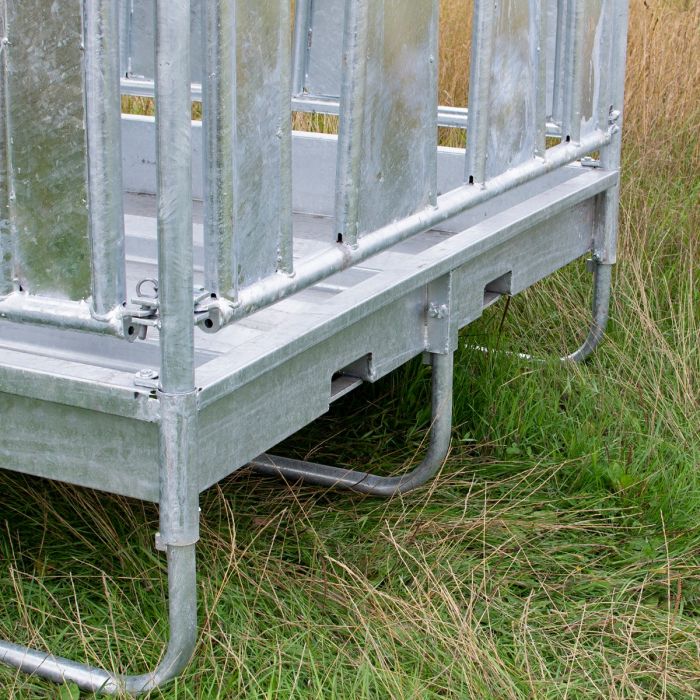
[(361, 482), (103, 127), (388, 121), (314, 262), (45, 147), (247, 125)]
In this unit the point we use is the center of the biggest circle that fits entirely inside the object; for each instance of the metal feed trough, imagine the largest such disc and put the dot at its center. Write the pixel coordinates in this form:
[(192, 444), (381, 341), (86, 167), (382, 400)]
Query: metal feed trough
[(252, 265)]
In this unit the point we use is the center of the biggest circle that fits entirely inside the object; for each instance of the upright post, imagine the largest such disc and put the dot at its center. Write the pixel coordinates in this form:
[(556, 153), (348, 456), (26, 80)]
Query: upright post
[(104, 163), (179, 512)]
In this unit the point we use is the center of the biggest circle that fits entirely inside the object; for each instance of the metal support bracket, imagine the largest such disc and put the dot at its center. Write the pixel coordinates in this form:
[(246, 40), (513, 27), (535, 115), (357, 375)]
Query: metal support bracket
[(440, 325)]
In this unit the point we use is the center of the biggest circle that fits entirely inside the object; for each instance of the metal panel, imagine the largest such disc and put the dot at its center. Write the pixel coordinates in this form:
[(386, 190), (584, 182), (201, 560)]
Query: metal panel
[(595, 48), (322, 39), (387, 151), (247, 123), (586, 50), (46, 145), (140, 41), (550, 45), (508, 89)]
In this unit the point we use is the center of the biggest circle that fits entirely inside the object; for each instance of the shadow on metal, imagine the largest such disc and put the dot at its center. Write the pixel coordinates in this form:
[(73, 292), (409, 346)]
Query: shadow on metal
[(295, 471)]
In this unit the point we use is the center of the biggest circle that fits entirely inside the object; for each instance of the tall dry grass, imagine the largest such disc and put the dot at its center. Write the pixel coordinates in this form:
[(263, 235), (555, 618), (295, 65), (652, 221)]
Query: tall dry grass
[(557, 555)]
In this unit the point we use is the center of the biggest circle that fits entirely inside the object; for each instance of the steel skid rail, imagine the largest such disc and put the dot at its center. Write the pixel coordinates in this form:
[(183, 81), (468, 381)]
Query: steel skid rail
[(252, 265)]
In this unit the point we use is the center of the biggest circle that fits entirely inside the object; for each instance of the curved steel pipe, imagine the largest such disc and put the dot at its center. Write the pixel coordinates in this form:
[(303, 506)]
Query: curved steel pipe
[(361, 482), (601, 313), (183, 636)]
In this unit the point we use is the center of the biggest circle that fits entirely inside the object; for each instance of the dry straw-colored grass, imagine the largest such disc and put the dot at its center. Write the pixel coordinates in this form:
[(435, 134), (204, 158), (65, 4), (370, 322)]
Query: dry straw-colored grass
[(516, 574)]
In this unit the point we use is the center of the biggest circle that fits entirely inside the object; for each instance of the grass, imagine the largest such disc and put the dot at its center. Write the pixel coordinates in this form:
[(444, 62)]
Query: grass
[(556, 556)]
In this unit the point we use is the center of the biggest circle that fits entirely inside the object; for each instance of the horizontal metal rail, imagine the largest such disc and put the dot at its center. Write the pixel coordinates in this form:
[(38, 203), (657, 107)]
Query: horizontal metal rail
[(21, 307), (340, 257), (449, 117)]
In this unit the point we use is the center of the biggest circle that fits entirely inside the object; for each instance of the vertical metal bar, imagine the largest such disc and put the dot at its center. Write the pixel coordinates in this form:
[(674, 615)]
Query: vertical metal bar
[(104, 162), (352, 108), (574, 76), (538, 39), (430, 144), (219, 107), (179, 493), (480, 90), (6, 234), (302, 37), (124, 37), (606, 238), (285, 242), (560, 62), (603, 66), (174, 174)]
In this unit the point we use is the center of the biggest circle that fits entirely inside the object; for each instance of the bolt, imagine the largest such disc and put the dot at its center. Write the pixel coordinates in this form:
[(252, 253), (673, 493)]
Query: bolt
[(147, 374), (439, 312)]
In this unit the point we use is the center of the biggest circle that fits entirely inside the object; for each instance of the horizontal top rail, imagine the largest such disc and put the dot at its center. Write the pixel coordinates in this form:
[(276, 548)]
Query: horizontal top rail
[(341, 257)]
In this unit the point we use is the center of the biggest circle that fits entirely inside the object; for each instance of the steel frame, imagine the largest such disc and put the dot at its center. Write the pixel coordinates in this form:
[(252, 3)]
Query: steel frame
[(230, 357)]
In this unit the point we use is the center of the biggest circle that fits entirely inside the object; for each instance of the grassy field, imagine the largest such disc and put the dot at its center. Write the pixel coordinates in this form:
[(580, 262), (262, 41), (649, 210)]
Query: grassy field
[(556, 556)]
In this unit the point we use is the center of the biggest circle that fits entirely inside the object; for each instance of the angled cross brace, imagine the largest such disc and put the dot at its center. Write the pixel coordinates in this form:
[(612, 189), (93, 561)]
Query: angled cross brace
[(322, 475)]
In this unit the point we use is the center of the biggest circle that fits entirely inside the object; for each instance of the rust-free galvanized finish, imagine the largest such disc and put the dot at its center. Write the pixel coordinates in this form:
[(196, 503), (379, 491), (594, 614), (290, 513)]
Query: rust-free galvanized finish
[(315, 262), (247, 124), (103, 126), (387, 166), (45, 146)]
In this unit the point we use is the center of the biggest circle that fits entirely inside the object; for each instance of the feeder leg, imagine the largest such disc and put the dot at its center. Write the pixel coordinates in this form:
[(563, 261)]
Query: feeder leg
[(601, 312), (322, 475), (179, 525), (183, 634)]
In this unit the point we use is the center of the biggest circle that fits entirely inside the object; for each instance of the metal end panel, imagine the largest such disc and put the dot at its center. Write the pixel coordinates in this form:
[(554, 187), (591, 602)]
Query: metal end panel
[(508, 89), (45, 146), (247, 122), (387, 152)]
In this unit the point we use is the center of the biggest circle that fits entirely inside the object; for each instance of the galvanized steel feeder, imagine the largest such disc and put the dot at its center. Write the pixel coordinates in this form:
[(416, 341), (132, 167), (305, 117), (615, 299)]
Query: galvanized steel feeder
[(253, 265)]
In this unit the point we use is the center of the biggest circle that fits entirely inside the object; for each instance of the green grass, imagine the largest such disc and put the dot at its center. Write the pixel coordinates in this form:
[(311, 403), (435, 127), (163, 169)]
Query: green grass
[(557, 555)]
